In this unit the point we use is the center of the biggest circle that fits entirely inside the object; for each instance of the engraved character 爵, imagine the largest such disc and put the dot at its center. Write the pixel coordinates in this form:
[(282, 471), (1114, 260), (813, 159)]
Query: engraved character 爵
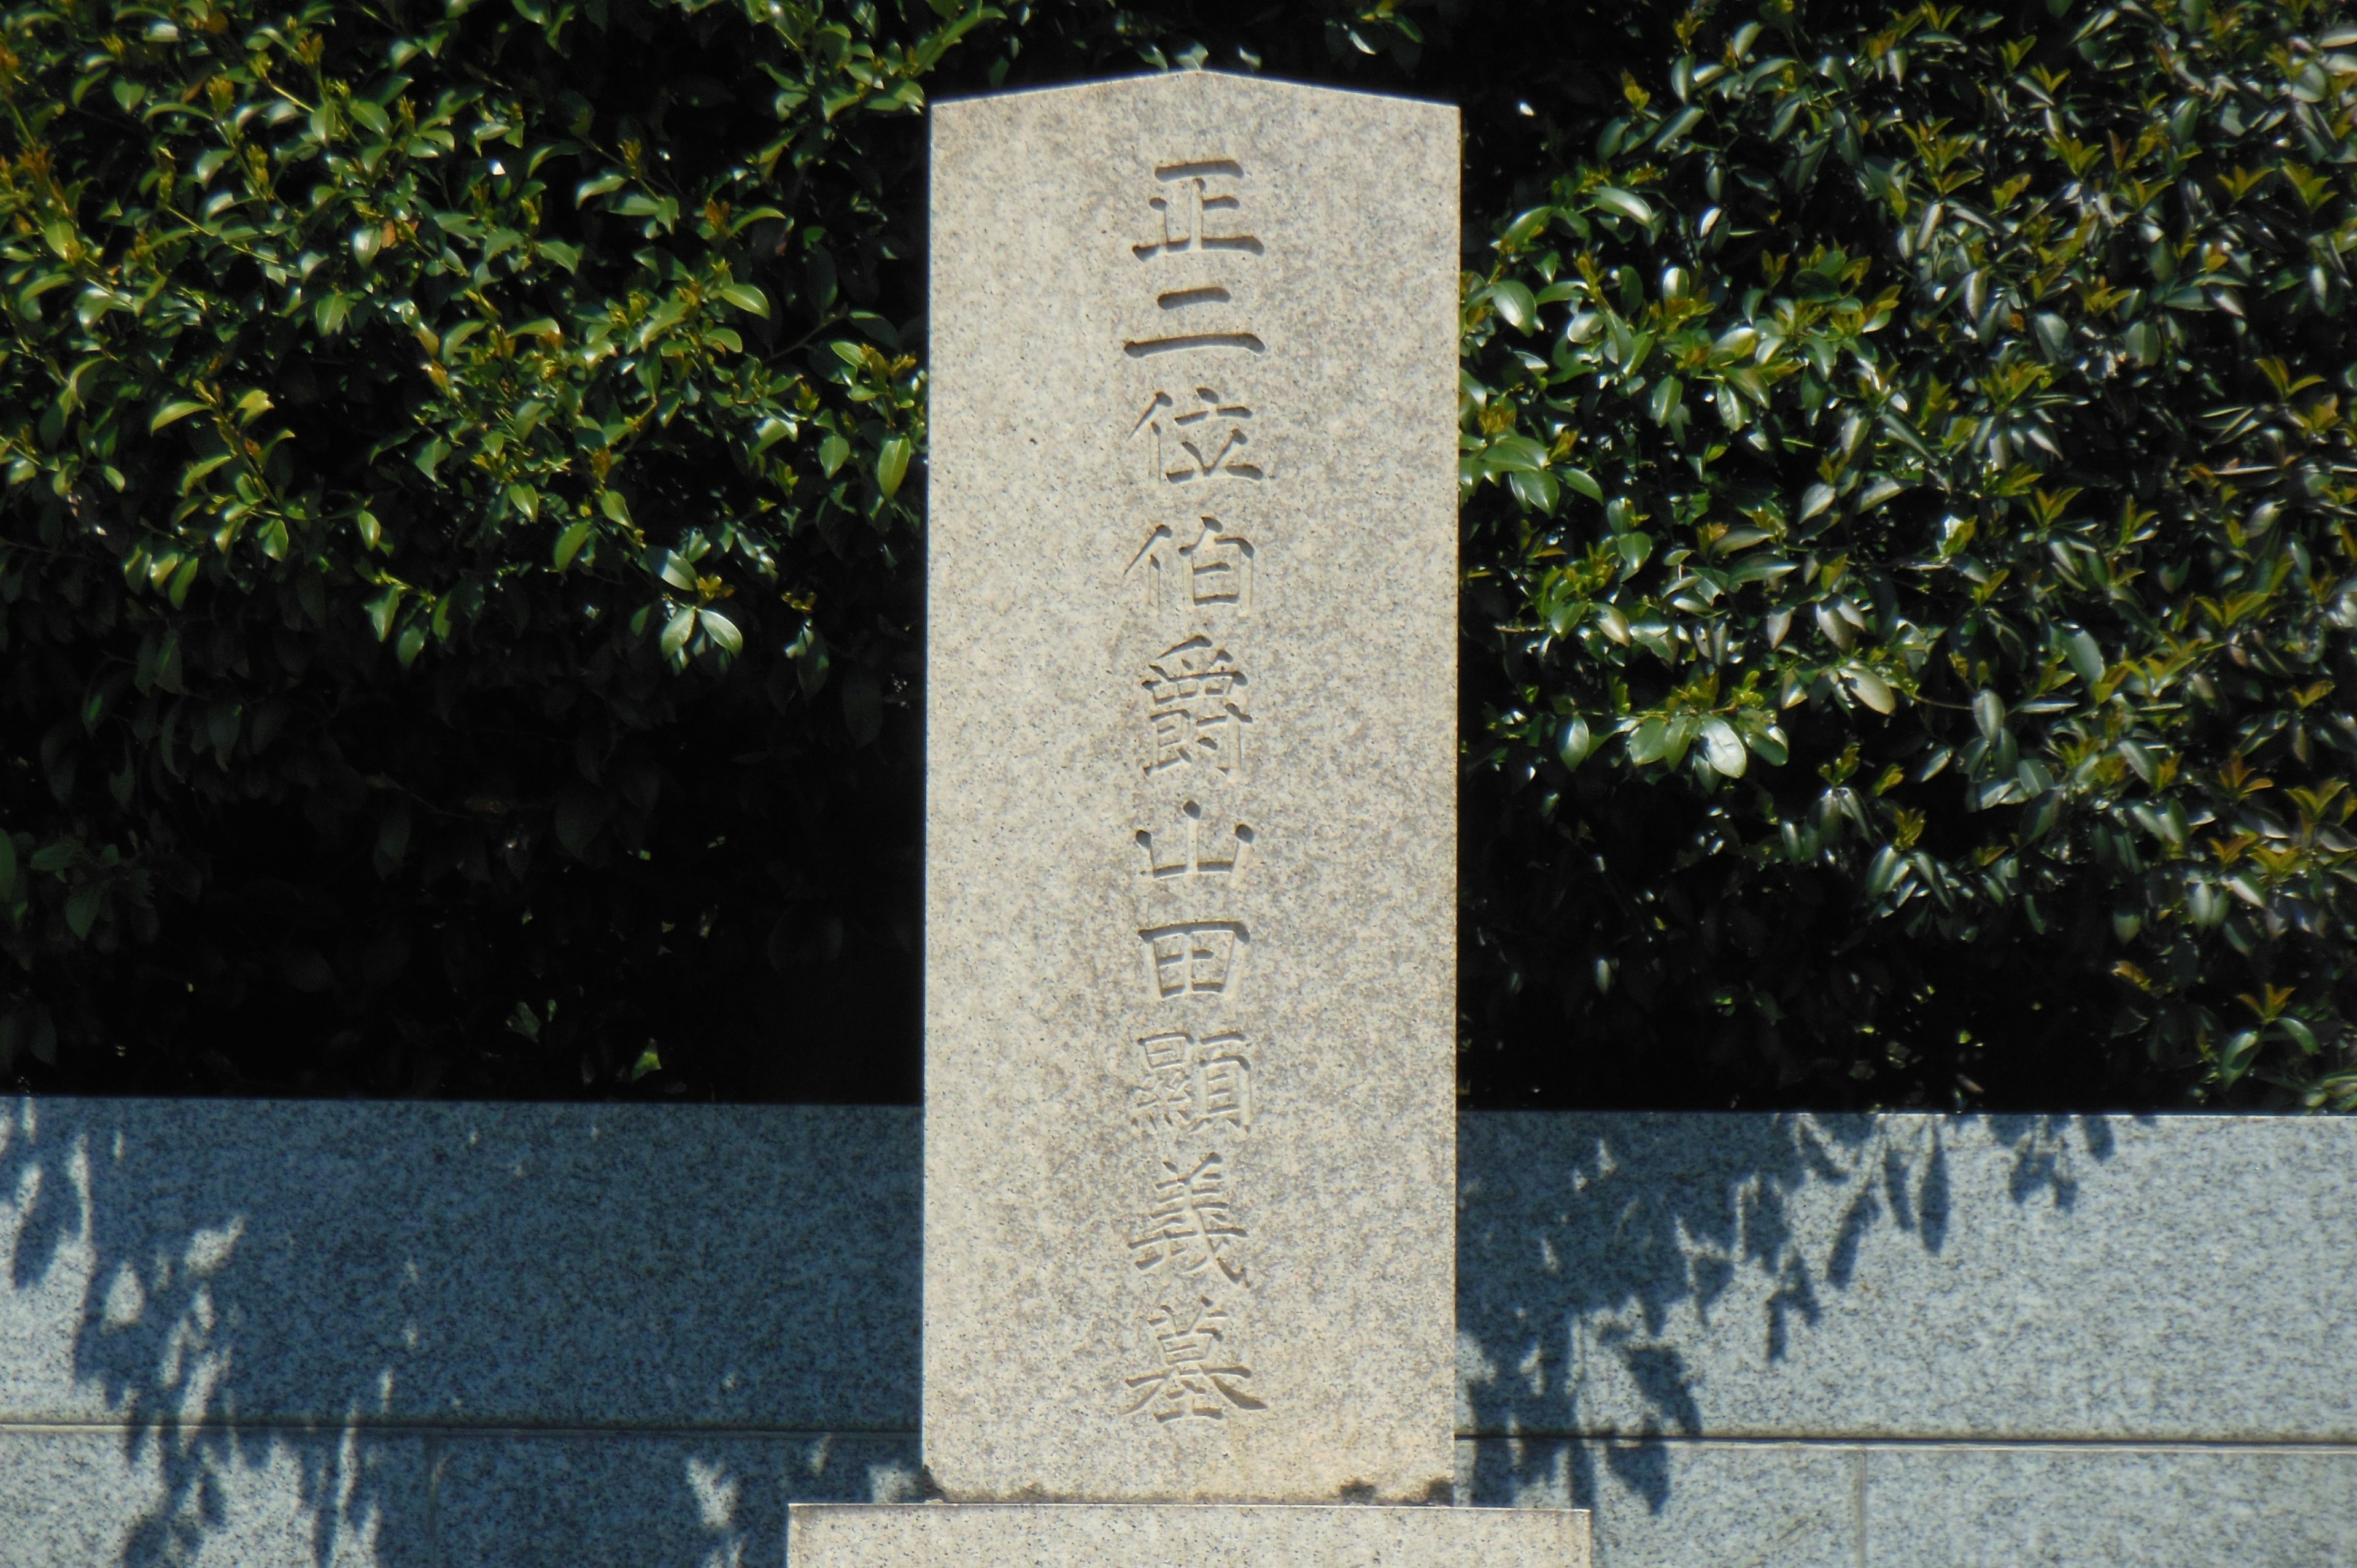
[(1194, 709), (1198, 1380), (1191, 1226)]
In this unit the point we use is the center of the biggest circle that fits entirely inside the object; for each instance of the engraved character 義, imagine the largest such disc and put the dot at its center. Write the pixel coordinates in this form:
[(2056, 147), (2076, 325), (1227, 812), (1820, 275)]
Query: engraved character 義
[(1195, 715), (1191, 1226), (1197, 1379)]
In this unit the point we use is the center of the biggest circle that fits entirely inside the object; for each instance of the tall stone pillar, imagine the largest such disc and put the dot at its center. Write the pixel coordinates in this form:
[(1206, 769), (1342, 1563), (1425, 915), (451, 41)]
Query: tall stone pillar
[(1191, 825)]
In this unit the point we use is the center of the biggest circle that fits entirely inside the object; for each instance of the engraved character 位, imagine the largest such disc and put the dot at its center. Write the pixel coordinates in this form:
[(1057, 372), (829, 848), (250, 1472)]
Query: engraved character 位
[(1198, 433), (1194, 709), (1196, 1381)]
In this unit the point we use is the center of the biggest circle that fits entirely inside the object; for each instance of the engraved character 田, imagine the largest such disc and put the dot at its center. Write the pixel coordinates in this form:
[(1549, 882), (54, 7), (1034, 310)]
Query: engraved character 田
[(1199, 957)]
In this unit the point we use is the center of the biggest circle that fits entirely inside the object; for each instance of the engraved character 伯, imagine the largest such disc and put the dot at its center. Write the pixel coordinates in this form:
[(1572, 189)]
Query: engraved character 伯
[(1212, 569), (1194, 709), (1191, 1226), (1197, 1379)]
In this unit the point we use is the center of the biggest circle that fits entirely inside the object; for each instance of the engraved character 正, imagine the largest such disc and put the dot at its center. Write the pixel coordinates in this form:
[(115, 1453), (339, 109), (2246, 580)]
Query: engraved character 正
[(1197, 219)]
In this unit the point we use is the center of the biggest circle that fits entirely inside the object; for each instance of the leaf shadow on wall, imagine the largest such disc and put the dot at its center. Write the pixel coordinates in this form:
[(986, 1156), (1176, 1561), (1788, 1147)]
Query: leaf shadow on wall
[(275, 1334), (1597, 1300)]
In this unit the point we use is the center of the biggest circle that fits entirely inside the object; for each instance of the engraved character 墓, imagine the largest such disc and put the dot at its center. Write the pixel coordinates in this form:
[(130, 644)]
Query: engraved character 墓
[(1196, 1381)]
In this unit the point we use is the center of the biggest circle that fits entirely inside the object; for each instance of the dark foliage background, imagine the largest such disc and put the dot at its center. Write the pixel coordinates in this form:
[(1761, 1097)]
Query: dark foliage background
[(458, 582)]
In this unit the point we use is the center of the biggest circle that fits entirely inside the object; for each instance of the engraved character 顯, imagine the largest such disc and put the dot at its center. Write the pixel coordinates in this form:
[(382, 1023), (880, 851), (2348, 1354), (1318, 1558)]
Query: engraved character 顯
[(1190, 1084)]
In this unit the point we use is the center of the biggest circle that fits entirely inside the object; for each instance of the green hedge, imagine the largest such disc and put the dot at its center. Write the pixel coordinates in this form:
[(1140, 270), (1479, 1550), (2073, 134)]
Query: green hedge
[(458, 593)]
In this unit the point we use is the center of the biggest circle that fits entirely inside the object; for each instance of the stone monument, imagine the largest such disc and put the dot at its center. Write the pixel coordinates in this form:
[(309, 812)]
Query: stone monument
[(1191, 840)]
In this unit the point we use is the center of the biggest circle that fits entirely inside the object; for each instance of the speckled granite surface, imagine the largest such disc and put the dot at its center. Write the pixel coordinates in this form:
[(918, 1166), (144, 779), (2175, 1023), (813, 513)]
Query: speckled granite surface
[(404, 1333), (1190, 793)]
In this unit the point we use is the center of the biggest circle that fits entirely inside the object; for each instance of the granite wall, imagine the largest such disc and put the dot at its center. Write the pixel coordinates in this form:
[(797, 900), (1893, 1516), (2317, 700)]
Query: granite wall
[(445, 1335)]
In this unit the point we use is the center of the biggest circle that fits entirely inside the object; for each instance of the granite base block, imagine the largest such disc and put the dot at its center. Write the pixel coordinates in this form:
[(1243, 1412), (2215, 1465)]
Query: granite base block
[(218, 1497), (648, 1501), (1183, 1535), (2091, 1506), (1676, 1504)]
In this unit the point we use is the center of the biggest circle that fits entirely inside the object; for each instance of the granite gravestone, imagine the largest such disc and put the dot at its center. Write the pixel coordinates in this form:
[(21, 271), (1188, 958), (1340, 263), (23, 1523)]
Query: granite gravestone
[(1190, 1126)]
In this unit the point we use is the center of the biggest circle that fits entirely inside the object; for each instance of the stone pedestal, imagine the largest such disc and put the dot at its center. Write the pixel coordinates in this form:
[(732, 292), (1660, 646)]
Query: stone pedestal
[(1183, 1535)]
